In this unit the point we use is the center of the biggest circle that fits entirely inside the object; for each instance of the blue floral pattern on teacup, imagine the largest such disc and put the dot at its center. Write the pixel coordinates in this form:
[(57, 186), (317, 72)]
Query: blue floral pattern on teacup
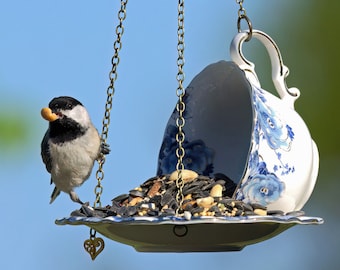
[(263, 185), (277, 134)]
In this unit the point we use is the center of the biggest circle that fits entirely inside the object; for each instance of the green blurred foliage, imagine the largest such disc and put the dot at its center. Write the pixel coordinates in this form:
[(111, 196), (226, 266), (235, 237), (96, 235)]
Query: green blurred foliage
[(315, 57), (16, 129), (12, 130)]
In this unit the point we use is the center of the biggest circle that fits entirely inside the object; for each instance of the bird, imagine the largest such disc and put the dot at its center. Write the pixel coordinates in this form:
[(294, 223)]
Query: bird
[(70, 145)]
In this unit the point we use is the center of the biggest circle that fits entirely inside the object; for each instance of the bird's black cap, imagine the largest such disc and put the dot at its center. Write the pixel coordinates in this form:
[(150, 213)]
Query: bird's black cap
[(64, 103), (64, 128)]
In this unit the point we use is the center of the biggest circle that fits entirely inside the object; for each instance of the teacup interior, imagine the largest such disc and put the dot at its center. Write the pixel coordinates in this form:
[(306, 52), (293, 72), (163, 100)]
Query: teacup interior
[(218, 127)]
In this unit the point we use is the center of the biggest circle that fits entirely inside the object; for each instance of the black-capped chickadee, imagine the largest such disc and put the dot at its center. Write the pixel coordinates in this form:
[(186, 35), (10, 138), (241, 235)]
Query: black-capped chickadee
[(70, 146)]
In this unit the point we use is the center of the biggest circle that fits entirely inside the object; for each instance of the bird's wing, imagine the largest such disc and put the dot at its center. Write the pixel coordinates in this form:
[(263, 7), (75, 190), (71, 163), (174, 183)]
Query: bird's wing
[(45, 152)]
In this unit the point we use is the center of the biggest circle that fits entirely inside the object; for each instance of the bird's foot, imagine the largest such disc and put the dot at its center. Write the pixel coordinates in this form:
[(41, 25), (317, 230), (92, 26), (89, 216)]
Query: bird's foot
[(74, 197), (105, 148)]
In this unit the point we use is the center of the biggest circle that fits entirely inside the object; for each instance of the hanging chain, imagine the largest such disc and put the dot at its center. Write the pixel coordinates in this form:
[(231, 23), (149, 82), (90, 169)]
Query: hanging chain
[(241, 11), (180, 107), (110, 92), (95, 245), (242, 15)]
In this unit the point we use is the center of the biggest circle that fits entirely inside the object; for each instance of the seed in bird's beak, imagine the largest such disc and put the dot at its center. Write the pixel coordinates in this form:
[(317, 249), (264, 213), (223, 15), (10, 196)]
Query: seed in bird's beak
[(48, 115)]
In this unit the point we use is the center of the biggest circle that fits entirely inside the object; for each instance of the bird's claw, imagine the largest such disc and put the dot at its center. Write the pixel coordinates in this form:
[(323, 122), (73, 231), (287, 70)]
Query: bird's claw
[(105, 148)]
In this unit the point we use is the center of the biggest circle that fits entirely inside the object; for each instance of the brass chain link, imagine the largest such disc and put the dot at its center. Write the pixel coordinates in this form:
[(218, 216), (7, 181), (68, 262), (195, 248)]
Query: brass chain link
[(94, 245), (180, 107), (241, 10), (110, 92), (242, 15)]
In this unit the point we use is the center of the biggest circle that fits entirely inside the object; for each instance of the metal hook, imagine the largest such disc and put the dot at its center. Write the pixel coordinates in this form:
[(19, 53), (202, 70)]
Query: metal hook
[(250, 26)]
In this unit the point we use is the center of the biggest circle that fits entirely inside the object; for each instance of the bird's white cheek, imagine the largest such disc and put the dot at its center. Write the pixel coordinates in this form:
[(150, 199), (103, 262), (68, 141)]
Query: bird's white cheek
[(79, 114)]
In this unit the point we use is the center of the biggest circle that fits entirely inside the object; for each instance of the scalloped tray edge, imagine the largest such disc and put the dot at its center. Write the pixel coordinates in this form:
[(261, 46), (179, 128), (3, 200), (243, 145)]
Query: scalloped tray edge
[(302, 220)]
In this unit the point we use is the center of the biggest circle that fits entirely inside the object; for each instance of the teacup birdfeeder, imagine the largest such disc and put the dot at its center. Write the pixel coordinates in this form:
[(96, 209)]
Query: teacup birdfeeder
[(235, 167)]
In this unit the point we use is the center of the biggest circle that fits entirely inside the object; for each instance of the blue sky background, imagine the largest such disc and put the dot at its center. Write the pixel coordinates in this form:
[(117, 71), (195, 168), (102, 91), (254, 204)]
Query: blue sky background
[(53, 48)]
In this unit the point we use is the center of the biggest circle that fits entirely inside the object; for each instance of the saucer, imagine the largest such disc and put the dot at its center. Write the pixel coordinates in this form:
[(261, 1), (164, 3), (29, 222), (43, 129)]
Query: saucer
[(200, 234)]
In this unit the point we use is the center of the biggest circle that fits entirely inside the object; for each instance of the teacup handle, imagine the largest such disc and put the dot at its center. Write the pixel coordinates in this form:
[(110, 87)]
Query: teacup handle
[(279, 70)]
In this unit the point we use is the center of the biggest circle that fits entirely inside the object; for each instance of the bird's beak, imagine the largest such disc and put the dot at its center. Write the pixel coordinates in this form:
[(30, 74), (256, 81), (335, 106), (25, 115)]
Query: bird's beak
[(48, 115)]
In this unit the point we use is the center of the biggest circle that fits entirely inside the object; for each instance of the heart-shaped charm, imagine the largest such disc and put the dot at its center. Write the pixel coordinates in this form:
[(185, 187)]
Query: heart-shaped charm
[(94, 246)]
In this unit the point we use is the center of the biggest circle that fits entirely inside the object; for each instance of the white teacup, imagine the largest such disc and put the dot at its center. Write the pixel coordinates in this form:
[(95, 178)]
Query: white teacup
[(235, 127), (283, 161)]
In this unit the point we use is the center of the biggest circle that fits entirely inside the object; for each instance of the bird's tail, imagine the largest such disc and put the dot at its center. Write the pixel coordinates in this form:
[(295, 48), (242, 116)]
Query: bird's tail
[(54, 195)]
